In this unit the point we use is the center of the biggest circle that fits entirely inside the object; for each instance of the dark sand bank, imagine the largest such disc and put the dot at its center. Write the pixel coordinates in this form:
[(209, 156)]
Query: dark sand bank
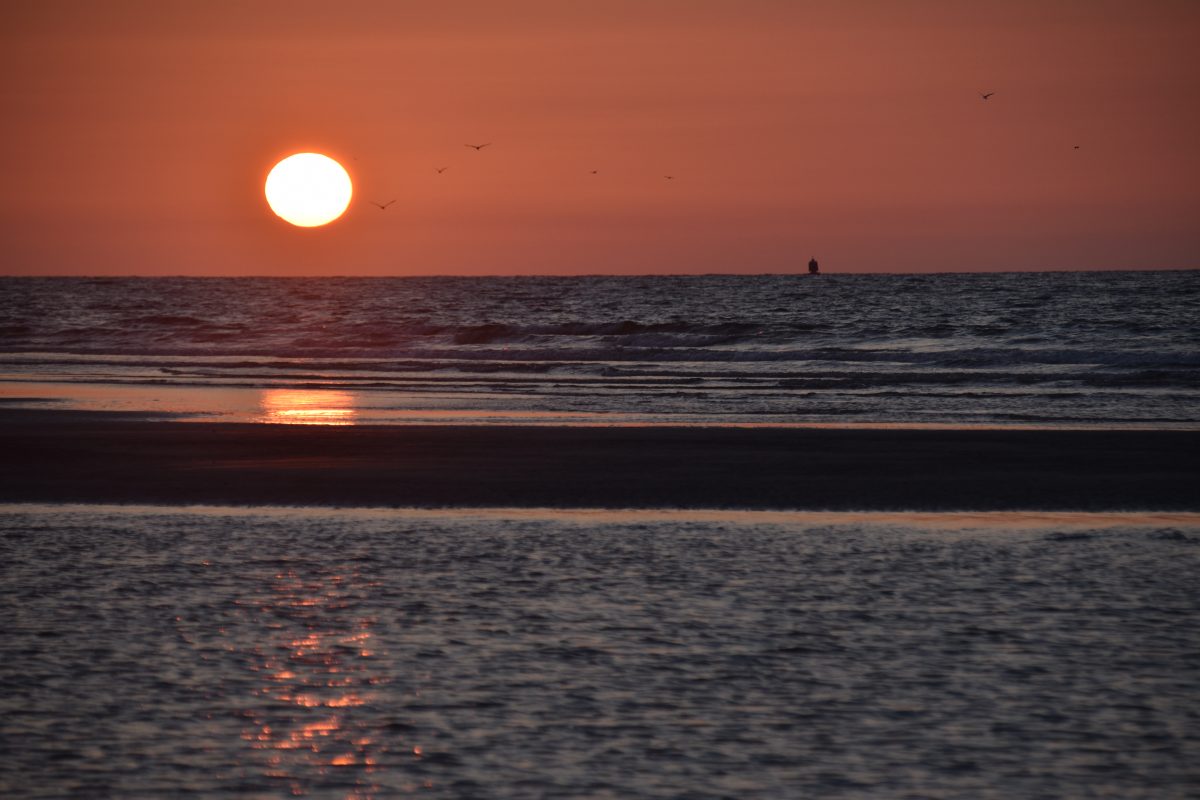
[(60, 457)]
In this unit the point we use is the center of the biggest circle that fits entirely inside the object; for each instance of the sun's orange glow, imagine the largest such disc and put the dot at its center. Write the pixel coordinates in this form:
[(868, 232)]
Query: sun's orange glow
[(308, 189)]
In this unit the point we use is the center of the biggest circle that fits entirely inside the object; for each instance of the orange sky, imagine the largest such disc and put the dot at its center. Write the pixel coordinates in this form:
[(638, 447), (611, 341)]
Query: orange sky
[(137, 135)]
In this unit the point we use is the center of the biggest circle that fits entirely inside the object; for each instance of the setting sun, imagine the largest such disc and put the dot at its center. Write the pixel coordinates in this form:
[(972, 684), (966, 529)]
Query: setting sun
[(308, 189)]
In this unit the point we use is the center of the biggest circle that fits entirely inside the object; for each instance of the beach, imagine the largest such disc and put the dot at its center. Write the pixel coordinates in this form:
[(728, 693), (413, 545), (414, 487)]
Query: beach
[(876, 536), (608, 401), (102, 458)]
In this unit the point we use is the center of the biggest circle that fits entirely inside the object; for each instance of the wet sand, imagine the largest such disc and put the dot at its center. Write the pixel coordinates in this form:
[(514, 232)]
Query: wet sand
[(80, 457)]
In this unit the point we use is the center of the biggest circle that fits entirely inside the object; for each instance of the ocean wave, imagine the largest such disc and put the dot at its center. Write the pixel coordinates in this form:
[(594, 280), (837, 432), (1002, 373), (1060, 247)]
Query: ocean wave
[(970, 361), (1105, 345)]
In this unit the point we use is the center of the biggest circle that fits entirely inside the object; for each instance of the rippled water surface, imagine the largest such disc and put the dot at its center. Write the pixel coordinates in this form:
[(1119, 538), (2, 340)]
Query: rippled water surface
[(1018, 348), (334, 654)]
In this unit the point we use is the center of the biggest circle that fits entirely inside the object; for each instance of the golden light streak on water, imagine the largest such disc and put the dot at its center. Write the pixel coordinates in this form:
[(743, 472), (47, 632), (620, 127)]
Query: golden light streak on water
[(307, 407), (319, 667)]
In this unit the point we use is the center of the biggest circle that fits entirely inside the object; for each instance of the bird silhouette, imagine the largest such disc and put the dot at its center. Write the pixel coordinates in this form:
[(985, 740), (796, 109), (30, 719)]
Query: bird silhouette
[(440, 170), (382, 206), (986, 95), (595, 171), (479, 146), (669, 177), (1076, 147)]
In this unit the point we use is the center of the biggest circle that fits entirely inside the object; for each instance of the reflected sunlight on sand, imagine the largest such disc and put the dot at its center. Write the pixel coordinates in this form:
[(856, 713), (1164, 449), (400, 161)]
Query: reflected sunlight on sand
[(307, 407)]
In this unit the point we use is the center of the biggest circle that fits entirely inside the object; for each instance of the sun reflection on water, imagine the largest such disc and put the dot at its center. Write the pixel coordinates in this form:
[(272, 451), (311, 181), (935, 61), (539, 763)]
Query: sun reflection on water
[(317, 663), (307, 407)]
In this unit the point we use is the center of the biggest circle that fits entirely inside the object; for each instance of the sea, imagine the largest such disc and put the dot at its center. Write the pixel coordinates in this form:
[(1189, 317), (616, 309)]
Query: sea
[(155, 652), (347, 654), (1051, 349)]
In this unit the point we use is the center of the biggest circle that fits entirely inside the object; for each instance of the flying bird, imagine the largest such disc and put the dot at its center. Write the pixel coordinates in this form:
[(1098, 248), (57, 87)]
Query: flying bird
[(382, 206), (1076, 147), (595, 171), (440, 170), (479, 146), (986, 95), (669, 177)]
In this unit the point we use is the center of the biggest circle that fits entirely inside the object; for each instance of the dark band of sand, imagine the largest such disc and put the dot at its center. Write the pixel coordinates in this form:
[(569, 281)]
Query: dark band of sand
[(64, 457)]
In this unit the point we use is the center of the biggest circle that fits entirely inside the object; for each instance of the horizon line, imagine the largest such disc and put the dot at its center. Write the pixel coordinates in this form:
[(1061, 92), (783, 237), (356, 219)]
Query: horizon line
[(797, 273)]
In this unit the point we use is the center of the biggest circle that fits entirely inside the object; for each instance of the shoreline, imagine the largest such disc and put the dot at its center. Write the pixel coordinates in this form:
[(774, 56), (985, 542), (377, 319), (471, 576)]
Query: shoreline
[(1010, 521), (63, 457), (72, 402)]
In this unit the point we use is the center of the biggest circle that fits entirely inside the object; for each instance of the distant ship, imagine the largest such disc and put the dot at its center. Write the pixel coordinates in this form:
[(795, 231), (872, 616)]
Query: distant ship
[(813, 267)]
